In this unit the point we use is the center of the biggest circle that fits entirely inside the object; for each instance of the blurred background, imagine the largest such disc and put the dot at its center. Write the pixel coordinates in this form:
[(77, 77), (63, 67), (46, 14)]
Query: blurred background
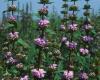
[(56, 6)]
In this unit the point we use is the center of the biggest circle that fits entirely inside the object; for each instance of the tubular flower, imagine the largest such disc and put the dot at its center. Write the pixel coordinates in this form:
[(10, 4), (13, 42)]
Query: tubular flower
[(40, 42), (43, 11), (38, 73), (24, 78), (11, 19), (72, 27), (8, 54), (64, 39), (13, 35), (87, 38), (84, 51), (71, 45), (53, 66), (43, 23), (11, 60), (83, 76), (87, 26), (68, 75)]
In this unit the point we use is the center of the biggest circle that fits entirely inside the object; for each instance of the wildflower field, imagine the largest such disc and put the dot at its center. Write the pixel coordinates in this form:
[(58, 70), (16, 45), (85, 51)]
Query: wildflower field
[(49, 46)]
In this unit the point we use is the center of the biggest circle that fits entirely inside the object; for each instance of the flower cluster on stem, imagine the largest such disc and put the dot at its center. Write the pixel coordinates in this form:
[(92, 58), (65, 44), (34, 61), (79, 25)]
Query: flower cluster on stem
[(41, 41), (87, 39), (70, 44)]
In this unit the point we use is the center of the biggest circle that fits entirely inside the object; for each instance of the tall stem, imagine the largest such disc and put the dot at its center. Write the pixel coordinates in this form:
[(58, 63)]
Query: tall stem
[(12, 4), (39, 58)]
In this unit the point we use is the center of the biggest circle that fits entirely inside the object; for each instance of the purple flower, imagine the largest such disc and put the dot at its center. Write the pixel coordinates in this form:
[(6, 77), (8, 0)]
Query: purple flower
[(88, 26), (24, 78), (13, 35), (68, 75), (8, 54), (71, 45), (38, 73), (84, 51), (43, 10), (62, 27), (83, 76), (11, 60), (64, 39), (87, 38), (43, 23), (53, 66), (40, 42), (11, 19), (72, 27)]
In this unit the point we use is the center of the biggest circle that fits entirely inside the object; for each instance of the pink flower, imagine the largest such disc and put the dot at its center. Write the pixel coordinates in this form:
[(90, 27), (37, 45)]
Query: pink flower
[(40, 42), (67, 43), (83, 76), (38, 73), (24, 78), (13, 35), (43, 10), (11, 60), (68, 74), (71, 45), (8, 54), (12, 19), (53, 66), (72, 27), (64, 39), (43, 23), (84, 51), (88, 26)]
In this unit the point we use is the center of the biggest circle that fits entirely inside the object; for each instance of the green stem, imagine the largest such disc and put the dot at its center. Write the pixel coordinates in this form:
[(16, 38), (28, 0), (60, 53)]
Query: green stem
[(13, 46), (39, 58)]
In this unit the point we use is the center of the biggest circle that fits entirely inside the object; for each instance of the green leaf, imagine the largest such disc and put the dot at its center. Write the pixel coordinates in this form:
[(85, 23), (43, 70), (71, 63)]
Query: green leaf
[(22, 43), (94, 32), (77, 34), (8, 26), (51, 32), (31, 56), (59, 71)]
